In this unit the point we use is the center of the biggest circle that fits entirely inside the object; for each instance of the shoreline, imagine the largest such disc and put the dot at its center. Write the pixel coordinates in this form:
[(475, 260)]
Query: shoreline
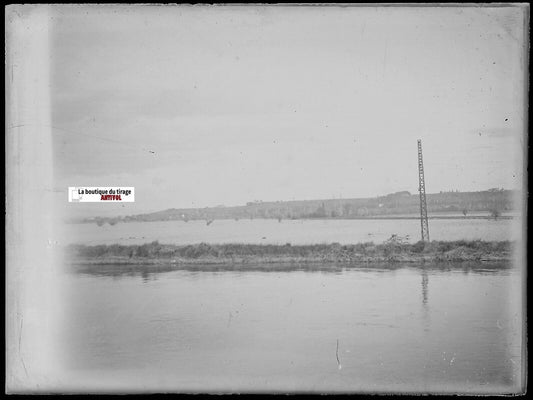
[(248, 254), (354, 218)]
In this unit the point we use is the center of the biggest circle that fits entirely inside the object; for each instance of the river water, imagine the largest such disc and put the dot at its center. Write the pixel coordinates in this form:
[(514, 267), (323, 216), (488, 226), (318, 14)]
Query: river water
[(288, 231), (442, 328)]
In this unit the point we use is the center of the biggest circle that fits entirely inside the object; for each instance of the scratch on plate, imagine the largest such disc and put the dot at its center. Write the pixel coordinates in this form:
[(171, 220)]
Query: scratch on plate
[(229, 318), (20, 341), (337, 355)]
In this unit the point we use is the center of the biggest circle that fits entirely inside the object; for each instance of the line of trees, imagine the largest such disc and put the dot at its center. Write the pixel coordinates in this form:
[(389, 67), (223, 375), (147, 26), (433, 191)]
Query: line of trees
[(494, 202)]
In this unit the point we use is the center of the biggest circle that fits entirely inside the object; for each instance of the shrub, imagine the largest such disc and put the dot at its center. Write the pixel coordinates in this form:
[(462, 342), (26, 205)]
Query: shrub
[(418, 247)]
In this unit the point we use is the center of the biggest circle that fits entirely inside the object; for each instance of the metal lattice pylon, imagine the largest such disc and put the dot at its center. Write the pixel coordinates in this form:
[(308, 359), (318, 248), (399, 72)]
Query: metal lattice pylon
[(424, 226)]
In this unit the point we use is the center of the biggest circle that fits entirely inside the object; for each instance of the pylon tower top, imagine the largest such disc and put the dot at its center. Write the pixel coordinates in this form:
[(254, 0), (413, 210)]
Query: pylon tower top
[(424, 226)]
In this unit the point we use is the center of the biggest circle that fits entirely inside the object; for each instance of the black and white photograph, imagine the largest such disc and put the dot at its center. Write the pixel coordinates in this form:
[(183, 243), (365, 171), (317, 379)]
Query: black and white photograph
[(267, 198)]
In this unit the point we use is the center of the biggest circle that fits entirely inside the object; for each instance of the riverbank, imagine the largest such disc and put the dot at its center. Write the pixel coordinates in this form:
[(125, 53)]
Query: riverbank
[(204, 253)]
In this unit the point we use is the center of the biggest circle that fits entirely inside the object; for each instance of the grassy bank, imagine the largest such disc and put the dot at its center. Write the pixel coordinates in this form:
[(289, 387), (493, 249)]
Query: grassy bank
[(203, 253)]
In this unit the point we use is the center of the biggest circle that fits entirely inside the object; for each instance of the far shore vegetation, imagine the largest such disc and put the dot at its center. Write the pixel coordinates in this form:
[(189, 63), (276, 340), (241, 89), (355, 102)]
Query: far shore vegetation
[(493, 203), (393, 250)]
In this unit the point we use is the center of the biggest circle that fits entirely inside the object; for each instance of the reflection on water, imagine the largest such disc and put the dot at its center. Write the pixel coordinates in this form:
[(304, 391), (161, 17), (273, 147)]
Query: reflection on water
[(425, 281), (425, 307), (290, 328), (151, 272)]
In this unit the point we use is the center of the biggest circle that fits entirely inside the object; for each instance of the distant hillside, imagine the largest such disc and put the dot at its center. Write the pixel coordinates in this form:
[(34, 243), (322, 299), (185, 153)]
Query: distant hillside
[(492, 202)]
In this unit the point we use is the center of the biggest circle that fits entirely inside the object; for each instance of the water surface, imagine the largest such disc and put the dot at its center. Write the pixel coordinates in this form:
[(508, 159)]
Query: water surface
[(441, 328), (287, 231)]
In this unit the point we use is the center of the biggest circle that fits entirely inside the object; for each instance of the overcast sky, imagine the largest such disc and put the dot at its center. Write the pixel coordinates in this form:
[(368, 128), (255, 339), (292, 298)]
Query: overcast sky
[(201, 106)]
